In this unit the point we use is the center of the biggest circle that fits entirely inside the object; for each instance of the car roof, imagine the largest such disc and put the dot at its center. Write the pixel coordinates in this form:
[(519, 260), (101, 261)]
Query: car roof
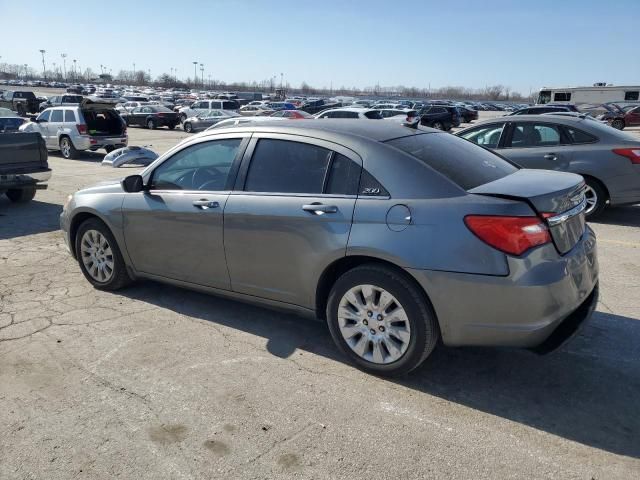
[(373, 130), (563, 119)]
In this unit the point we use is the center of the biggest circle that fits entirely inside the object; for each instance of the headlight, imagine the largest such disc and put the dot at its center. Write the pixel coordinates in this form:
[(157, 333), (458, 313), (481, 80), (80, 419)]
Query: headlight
[(66, 203)]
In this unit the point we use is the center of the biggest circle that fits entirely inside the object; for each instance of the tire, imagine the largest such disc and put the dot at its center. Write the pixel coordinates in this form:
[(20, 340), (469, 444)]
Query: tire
[(618, 124), (151, 125), (187, 127), (21, 195), (596, 196), (109, 148), (438, 125), (21, 111), (373, 328), (113, 273), (67, 149), (171, 126)]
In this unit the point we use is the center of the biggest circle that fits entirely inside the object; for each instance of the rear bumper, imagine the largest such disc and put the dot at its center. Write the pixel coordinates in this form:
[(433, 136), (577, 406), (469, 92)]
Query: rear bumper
[(527, 308), (89, 142), (24, 179)]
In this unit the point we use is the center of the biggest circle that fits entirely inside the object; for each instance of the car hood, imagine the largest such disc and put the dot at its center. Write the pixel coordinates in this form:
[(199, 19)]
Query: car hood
[(108, 186)]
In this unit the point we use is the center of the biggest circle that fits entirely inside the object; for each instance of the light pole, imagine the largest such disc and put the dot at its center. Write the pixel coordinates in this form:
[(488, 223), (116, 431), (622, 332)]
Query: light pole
[(55, 72), (44, 68), (202, 74), (64, 65), (195, 73), (25, 71), (75, 75), (281, 77)]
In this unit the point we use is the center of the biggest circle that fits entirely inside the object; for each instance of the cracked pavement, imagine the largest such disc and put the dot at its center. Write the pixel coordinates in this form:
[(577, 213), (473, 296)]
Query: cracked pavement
[(159, 382)]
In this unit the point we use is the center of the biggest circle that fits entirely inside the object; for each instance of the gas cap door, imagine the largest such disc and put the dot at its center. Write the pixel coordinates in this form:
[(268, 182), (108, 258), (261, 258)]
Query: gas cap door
[(398, 218)]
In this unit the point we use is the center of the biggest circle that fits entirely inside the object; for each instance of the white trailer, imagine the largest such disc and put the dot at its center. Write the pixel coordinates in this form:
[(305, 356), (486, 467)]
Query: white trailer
[(599, 93)]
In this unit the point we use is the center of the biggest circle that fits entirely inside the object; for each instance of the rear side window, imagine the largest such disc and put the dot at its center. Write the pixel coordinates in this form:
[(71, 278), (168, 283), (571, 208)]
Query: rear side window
[(631, 95), (56, 116), (578, 136), (372, 115), (69, 116), (460, 161), (281, 166), (343, 177)]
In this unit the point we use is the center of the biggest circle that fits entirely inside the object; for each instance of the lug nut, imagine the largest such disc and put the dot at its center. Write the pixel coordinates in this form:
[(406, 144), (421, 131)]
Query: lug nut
[(373, 332), (379, 318), (364, 322), (369, 314), (381, 328)]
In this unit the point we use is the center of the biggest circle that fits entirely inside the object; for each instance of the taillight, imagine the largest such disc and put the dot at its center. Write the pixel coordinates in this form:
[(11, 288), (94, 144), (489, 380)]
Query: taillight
[(82, 128), (514, 235), (632, 154)]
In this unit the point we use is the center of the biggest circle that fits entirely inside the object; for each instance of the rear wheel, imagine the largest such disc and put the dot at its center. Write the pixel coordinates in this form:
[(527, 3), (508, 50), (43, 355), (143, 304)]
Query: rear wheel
[(67, 149), (99, 256), (618, 124), (151, 125), (21, 111), (596, 198), (438, 125), (171, 126), (21, 195), (188, 127), (381, 320)]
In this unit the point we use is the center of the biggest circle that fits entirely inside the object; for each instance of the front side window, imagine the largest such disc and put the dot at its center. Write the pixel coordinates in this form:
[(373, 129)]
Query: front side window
[(372, 115), (544, 97), (528, 135), (56, 116), (281, 166), (44, 116), (487, 136), (562, 97), (204, 166)]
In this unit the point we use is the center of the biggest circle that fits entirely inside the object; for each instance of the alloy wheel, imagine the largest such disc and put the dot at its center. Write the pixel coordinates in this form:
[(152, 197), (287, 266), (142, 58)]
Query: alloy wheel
[(374, 324), (65, 148), (97, 256), (591, 196)]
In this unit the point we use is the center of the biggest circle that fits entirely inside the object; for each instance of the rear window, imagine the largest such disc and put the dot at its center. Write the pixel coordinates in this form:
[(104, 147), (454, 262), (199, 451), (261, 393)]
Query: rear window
[(459, 160), (373, 115)]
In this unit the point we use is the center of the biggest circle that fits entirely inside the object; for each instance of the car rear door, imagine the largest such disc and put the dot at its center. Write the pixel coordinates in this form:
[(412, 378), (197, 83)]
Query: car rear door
[(290, 215), (534, 144), (175, 228)]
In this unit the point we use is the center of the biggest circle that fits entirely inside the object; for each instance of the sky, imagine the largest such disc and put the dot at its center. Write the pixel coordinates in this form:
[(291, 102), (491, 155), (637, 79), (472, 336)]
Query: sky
[(521, 44)]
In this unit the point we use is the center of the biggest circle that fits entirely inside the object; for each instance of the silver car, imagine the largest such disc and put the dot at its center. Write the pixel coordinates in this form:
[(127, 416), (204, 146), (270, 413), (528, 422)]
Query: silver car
[(608, 159), (205, 119), (399, 238)]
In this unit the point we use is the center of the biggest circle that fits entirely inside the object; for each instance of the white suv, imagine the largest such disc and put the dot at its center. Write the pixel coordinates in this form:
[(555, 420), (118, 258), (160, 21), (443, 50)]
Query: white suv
[(199, 105), (92, 125)]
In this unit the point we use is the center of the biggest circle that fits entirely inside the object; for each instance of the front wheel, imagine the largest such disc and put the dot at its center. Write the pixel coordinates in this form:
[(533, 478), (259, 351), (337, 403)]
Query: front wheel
[(151, 125), (21, 195), (188, 127), (99, 256), (438, 126), (381, 320)]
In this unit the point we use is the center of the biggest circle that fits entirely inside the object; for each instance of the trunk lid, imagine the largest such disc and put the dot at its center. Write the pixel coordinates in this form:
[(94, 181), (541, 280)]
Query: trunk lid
[(556, 196)]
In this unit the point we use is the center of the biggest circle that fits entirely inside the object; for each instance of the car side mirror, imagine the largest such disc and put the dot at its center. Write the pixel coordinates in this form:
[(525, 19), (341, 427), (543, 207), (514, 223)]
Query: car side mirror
[(133, 184)]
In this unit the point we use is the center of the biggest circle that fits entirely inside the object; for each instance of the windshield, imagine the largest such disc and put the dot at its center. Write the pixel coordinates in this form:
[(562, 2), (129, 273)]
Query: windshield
[(544, 97), (461, 161)]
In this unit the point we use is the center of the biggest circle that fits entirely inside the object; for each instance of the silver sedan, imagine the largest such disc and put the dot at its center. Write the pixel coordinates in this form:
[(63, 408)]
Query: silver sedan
[(206, 118), (398, 238)]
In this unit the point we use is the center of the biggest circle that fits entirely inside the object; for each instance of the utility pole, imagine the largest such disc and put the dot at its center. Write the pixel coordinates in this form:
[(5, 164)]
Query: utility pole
[(195, 73), (44, 67), (75, 72), (64, 65), (202, 74), (281, 77)]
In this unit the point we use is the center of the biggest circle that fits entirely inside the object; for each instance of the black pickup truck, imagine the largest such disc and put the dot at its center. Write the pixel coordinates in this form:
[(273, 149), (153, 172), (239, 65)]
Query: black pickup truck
[(23, 165), (21, 102)]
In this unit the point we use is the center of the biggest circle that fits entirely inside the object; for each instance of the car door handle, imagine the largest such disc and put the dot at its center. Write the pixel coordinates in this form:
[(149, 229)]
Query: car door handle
[(319, 208), (205, 204), (550, 156)]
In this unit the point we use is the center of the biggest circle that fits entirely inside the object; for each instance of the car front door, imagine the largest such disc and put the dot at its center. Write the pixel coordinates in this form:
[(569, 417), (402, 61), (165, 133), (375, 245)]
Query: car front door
[(537, 145), (290, 215), (43, 126), (174, 229)]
